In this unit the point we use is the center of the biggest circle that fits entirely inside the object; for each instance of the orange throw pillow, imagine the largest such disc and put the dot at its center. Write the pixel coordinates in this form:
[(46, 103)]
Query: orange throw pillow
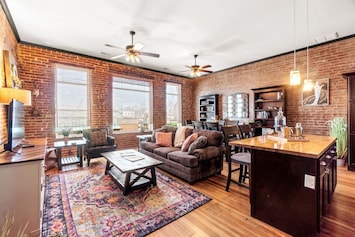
[(190, 139), (164, 138)]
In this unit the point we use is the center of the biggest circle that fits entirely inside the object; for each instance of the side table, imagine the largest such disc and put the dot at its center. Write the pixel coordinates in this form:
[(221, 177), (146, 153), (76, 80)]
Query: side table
[(70, 160)]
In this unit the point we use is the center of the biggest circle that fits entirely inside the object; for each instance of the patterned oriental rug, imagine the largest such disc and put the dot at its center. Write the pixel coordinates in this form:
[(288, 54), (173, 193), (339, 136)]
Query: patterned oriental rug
[(89, 203)]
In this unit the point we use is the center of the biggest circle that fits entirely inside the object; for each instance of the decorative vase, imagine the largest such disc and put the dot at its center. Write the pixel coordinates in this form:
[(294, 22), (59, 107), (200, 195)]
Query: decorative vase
[(66, 139), (341, 162)]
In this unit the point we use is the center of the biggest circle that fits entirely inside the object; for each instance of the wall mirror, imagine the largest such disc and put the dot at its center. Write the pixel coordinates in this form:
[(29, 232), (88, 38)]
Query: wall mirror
[(237, 106)]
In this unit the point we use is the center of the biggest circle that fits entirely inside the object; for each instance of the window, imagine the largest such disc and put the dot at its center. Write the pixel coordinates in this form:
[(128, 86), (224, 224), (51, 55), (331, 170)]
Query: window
[(131, 104), (173, 104), (72, 97)]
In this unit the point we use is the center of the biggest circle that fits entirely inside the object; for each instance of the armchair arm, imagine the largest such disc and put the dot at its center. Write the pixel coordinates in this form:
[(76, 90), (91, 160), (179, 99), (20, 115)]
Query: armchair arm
[(110, 140)]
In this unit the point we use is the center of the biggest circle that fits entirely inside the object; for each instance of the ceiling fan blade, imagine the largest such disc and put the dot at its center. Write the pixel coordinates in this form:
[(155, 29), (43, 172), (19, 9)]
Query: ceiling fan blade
[(118, 56), (206, 71), (113, 46), (138, 46), (150, 54), (206, 66)]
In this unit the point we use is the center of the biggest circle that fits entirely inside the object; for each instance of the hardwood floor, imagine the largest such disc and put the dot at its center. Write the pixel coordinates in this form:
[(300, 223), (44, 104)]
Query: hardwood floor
[(228, 214)]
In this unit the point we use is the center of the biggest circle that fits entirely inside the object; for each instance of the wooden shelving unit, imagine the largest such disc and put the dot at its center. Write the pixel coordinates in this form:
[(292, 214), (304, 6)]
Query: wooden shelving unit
[(207, 107), (267, 102)]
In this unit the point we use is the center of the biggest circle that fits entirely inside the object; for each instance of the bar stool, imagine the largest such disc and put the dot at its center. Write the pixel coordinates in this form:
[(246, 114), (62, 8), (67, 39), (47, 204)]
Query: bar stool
[(236, 155)]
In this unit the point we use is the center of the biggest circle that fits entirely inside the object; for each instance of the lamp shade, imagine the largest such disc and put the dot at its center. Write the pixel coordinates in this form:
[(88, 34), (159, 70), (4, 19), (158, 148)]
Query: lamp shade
[(8, 93), (295, 78)]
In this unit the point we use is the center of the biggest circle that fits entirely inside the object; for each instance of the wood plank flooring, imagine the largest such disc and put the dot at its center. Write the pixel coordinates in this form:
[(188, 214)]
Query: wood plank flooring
[(228, 214)]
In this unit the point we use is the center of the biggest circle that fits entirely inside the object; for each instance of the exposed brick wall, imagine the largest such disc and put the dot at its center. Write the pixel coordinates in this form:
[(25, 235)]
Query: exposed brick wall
[(37, 65), (325, 61), (7, 42)]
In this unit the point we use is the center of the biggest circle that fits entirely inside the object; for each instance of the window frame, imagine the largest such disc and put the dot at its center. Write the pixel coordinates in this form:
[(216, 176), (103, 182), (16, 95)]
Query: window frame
[(179, 98), (137, 81), (88, 85)]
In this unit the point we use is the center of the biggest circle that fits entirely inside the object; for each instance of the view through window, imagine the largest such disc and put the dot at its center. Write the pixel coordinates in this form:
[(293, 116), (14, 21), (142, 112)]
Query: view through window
[(131, 104), (173, 104), (72, 98)]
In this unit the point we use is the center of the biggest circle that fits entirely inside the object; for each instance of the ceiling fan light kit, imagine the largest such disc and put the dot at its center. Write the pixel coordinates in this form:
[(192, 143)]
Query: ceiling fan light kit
[(196, 70), (132, 51)]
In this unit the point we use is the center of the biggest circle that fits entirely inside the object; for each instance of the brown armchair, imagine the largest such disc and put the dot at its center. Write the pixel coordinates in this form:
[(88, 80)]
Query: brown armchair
[(97, 142)]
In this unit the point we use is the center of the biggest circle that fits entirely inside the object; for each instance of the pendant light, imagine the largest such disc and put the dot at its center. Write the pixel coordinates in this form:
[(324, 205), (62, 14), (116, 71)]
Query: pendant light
[(295, 77), (307, 83)]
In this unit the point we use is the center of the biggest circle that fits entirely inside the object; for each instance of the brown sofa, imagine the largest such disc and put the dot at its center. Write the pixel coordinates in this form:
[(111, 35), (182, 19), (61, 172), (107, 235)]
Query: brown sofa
[(203, 162)]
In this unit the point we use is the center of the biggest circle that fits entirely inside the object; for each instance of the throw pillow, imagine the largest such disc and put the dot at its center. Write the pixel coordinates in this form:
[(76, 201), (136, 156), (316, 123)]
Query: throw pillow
[(188, 141), (200, 142), (98, 138), (164, 138), (180, 136)]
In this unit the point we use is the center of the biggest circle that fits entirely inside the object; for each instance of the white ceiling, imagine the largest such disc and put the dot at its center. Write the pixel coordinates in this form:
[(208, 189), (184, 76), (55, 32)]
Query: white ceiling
[(224, 33)]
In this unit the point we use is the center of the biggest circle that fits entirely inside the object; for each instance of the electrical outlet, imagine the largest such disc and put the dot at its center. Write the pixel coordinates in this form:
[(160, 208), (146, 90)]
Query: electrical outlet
[(310, 181)]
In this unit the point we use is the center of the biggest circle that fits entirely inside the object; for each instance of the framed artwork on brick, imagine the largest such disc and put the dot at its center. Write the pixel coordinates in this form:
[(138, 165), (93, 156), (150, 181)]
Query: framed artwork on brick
[(10, 67), (318, 95)]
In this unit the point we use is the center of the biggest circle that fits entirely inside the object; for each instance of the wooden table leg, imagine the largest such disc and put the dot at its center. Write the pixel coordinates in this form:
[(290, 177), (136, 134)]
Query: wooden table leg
[(127, 184), (154, 179), (59, 156)]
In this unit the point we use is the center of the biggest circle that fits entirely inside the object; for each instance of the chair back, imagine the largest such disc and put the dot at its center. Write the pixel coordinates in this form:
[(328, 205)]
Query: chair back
[(230, 133), (198, 124), (246, 130), (188, 122), (212, 126)]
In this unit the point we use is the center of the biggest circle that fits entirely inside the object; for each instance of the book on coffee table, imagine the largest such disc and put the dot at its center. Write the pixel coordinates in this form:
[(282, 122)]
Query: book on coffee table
[(131, 156)]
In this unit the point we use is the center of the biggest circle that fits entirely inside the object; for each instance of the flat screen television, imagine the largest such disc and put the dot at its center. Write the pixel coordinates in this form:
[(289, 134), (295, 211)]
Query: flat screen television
[(15, 124)]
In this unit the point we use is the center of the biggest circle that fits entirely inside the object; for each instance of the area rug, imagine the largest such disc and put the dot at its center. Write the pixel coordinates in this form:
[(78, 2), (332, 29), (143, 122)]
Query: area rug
[(88, 203)]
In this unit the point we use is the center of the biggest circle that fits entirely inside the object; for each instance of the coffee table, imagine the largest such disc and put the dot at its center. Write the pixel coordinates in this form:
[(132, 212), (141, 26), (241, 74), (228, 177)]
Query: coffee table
[(129, 168)]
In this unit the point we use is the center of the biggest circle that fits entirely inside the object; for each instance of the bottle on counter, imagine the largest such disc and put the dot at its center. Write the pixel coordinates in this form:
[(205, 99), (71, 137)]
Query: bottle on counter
[(280, 120)]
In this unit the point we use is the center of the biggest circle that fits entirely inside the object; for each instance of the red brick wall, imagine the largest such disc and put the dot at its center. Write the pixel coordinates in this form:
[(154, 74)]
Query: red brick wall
[(7, 42), (37, 65), (325, 61)]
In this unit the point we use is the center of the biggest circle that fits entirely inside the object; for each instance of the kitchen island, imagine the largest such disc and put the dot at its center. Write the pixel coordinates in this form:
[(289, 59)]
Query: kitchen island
[(291, 182)]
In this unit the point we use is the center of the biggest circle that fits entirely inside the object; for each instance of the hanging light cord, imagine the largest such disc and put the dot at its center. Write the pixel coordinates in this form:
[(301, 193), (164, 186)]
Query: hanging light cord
[(294, 34), (307, 32)]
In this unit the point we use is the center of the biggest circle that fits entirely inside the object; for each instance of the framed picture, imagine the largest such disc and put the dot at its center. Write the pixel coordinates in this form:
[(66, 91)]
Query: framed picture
[(11, 74), (318, 95)]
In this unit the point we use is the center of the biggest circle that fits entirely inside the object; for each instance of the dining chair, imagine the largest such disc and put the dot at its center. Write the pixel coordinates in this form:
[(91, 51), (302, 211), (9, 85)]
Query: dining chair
[(236, 155), (198, 124), (212, 126), (246, 130)]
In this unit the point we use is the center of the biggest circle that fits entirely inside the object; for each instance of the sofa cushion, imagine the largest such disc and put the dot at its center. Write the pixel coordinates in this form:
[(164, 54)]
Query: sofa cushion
[(98, 138), (148, 146), (208, 152), (214, 138), (183, 158), (164, 138), (188, 141), (200, 142), (164, 151)]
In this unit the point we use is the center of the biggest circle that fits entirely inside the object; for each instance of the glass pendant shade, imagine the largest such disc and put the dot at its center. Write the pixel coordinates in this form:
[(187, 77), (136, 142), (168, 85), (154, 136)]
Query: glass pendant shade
[(295, 78), (307, 85)]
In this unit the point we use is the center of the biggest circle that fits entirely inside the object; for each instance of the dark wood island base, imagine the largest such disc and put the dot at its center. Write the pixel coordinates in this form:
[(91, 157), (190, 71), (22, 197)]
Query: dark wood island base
[(292, 183)]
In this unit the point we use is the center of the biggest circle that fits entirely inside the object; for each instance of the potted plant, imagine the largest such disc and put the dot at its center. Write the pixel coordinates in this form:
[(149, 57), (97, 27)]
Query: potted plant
[(338, 129), (65, 132)]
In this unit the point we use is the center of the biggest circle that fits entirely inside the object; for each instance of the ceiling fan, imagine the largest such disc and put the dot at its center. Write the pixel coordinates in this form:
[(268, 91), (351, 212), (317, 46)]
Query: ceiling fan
[(196, 70), (133, 51)]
